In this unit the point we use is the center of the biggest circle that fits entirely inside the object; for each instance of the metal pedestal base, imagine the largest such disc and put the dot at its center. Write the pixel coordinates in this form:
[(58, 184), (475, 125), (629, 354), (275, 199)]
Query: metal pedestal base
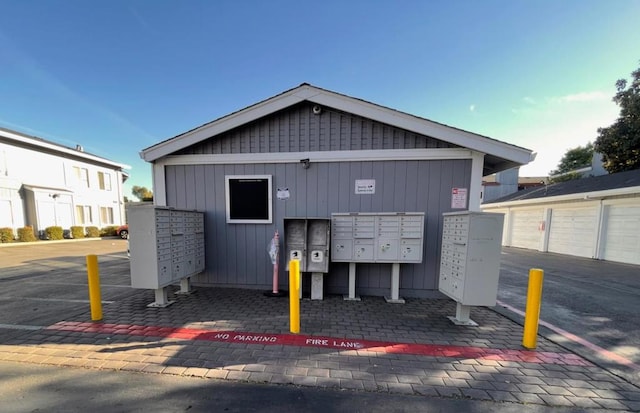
[(394, 300), (185, 287), (161, 299), (462, 316)]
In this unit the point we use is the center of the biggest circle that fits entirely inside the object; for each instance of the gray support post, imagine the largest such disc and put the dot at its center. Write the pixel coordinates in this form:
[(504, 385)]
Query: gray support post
[(185, 286), (352, 283), (317, 285), (395, 285)]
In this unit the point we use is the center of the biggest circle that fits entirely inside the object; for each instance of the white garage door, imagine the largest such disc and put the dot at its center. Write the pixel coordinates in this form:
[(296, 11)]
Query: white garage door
[(572, 231), (621, 238), (6, 216), (525, 224)]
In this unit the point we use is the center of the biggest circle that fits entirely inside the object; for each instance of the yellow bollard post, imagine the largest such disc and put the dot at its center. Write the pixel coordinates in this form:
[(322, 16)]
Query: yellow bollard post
[(294, 296), (95, 298), (532, 313)]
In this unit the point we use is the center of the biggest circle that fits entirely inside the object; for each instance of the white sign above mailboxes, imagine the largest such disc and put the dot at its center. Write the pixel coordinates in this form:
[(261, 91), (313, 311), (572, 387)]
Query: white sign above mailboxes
[(365, 186)]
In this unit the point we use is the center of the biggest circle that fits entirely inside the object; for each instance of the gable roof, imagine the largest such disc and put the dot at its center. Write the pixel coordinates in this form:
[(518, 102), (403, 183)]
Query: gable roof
[(499, 155), (620, 183), (41, 145)]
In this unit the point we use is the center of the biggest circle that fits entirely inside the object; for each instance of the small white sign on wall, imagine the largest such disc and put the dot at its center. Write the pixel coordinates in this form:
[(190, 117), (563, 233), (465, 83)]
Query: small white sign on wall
[(365, 186), (283, 194), (458, 198)]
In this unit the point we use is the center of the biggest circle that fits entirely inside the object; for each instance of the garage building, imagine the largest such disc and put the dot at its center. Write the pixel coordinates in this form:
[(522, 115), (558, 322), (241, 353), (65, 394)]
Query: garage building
[(597, 217)]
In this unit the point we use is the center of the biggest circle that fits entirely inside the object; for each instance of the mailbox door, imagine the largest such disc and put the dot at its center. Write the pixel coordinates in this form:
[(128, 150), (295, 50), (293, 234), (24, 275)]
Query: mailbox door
[(342, 250), (294, 241), (318, 236)]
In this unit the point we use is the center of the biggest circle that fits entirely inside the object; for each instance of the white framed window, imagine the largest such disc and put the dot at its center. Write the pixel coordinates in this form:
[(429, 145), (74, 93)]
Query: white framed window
[(104, 181), (82, 176), (248, 199), (83, 214), (106, 215)]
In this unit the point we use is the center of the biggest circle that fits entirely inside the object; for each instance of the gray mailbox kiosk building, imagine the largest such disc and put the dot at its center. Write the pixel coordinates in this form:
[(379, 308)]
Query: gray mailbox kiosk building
[(310, 153)]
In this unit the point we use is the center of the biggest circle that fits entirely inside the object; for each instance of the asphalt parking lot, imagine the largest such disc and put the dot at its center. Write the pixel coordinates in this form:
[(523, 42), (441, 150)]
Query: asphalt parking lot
[(46, 281), (588, 306)]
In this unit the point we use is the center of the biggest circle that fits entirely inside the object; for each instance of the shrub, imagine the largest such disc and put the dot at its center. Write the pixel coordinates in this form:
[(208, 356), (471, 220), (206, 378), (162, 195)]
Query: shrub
[(54, 233), (77, 232), (26, 234), (93, 232), (6, 235), (108, 231)]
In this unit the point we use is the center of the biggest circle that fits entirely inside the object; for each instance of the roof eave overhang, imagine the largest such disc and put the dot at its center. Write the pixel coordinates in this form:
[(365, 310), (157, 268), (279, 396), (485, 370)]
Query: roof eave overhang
[(510, 155), (581, 196), (38, 143)]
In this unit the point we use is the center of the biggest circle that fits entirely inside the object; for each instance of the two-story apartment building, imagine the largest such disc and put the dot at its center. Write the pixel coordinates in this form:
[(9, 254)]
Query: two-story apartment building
[(44, 184)]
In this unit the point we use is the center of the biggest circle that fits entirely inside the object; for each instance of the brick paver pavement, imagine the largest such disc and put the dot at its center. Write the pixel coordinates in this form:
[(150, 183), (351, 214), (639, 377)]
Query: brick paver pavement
[(408, 348)]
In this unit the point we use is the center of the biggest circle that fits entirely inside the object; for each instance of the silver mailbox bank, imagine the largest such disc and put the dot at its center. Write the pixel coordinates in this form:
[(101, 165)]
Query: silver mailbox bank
[(167, 246), (470, 260), (386, 237)]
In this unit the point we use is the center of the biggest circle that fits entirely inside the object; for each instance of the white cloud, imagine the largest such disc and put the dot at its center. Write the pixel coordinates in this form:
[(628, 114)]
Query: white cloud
[(582, 97), (472, 108), (552, 106)]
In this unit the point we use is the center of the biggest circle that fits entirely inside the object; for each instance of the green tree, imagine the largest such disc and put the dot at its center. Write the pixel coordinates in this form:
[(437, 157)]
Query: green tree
[(573, 159), (142, 193), (620, 142)]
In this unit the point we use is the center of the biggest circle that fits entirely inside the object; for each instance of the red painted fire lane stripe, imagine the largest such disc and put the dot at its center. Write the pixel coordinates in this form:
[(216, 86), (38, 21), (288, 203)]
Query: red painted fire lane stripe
[(431, 350)]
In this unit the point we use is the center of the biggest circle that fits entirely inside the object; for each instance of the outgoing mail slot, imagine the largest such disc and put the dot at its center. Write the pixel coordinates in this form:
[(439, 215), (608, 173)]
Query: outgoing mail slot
[(317, 256)]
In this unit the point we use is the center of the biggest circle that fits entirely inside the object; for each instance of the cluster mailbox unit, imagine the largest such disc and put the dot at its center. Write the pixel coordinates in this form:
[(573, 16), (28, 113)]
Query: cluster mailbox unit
[(307, 240), (386, 237), (167, 247), (470, 260)]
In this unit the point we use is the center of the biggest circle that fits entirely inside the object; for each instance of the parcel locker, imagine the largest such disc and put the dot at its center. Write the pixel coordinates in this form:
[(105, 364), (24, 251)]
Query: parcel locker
[(307, 240)]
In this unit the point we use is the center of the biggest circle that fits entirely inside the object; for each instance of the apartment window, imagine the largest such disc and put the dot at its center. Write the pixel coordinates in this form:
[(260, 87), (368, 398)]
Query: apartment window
[(82, 176), (106, 215), (104, 180), (248, 199), (83, 215)]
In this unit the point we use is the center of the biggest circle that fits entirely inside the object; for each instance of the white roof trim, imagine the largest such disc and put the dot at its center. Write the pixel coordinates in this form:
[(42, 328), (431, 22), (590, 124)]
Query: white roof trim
[(348, 104), (583, 196), (58, 148), (320, 156), (38, 188)]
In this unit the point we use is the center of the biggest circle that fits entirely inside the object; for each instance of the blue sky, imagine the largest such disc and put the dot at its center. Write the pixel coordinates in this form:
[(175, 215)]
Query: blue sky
[(119, 76)]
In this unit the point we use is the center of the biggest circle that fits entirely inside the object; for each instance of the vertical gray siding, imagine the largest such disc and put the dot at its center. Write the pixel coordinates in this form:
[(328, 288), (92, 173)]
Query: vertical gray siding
[(236, 254), (297, 129)]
